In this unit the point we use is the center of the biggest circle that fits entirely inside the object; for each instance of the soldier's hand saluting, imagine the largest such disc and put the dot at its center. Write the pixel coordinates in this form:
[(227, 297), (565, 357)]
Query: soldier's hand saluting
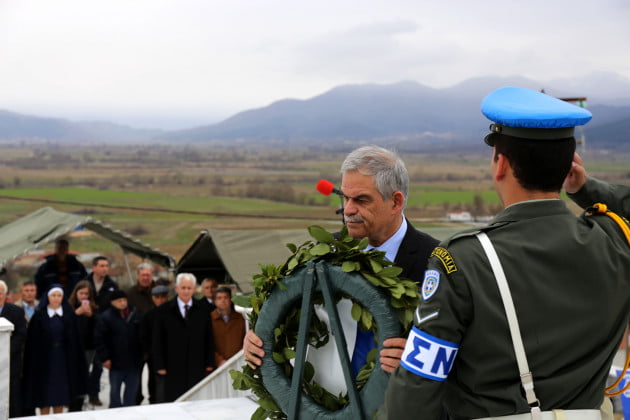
[(576, 178)]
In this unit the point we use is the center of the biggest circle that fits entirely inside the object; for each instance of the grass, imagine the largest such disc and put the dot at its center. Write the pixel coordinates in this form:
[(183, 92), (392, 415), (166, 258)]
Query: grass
[(202, 186)]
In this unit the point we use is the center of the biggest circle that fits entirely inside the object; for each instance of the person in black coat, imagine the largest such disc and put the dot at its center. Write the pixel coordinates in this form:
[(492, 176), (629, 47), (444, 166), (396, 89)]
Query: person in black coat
[(102, 288), (82, 301), (55, 370), (209, 285), (102, 284), (182, 340), (60, 268), (117, 338), (159, 295), (15, 315)]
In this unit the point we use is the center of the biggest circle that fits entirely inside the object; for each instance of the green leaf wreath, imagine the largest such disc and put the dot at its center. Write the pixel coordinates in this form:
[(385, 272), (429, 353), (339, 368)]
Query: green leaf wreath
[(350, 254)]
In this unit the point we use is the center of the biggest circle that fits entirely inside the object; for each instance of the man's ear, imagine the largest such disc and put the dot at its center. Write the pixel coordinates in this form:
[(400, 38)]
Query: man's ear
[(398, 200)]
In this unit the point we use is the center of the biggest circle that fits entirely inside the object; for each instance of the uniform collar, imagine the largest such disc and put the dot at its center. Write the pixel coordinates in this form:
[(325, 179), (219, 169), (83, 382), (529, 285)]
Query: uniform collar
[(532, 208)]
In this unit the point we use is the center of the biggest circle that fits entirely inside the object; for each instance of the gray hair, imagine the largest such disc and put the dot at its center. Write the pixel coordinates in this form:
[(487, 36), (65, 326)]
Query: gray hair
[(4, 286), (185, 276), (144, 266), (387, 168)]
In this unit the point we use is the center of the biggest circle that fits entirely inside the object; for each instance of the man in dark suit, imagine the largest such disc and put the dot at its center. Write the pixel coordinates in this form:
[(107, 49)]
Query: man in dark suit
[(159, 295), (15, 315), (208, 287), (182, 340), (375, 185), (102, 286)]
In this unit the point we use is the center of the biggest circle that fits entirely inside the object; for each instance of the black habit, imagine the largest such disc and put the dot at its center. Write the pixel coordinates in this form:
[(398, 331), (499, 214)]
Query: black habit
[(37, 350)]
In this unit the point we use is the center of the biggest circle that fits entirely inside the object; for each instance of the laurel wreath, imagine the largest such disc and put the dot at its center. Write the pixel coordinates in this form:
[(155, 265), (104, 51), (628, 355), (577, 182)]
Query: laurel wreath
[(350, 254)]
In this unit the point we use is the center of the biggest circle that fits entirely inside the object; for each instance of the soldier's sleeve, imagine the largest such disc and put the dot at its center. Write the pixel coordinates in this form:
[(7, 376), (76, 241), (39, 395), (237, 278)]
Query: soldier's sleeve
[(418, 385), (616, 197)]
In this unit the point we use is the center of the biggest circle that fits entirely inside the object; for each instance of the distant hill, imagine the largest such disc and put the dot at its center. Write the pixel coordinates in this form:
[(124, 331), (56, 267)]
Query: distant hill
[(406, 115), (15, 126)]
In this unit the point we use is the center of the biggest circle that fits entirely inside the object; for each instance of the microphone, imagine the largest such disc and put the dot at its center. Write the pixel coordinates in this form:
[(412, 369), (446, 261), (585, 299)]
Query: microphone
[(326, 187)]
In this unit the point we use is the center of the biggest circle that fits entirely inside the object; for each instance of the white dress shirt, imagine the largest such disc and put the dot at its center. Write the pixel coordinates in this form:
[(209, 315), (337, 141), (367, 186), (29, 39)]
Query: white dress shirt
[(182, 306)]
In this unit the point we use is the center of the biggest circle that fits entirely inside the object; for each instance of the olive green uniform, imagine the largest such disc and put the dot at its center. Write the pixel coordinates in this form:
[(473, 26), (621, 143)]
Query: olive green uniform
[(562, 270), (616, 197)]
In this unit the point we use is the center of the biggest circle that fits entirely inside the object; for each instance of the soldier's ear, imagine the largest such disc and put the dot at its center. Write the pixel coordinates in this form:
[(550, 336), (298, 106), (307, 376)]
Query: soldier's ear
[(502, 164)]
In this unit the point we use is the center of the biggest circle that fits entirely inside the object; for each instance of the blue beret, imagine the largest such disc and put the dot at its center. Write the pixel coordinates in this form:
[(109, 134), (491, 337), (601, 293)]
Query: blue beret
[(530, 114)]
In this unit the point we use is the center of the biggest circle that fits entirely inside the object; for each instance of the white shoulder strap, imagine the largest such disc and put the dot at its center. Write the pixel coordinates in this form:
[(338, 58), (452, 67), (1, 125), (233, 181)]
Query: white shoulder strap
[(527, 379)]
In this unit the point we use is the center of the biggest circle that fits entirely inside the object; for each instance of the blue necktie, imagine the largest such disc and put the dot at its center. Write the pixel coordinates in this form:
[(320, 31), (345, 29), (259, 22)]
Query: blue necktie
[(362, 346)]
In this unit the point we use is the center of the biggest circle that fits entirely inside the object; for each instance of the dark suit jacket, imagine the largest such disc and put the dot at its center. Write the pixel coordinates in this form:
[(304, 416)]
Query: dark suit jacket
[(414, 252), (15, 315), (183, 347), (118, 339), (103, 297), (204, 301), (47, 275)]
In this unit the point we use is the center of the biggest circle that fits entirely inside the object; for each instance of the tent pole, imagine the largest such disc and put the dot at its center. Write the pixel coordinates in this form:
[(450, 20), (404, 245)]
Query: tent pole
[(128, 267)]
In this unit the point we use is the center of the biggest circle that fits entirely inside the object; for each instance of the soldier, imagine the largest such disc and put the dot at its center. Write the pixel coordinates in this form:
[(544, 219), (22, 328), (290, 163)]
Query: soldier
[(561, 271)]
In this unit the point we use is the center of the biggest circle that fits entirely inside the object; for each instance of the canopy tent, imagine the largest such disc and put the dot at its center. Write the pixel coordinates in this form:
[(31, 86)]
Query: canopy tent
[(47, 224), (232, 256)]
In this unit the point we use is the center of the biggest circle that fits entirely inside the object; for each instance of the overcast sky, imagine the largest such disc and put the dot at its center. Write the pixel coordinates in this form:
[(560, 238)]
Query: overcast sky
[(179, 63)]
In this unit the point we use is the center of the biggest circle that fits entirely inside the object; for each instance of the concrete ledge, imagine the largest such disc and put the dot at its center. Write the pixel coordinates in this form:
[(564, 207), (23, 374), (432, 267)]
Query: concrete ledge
[(224, 409)]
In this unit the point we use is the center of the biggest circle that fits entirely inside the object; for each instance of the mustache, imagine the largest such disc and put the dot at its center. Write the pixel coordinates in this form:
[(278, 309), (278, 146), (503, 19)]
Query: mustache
[(353, 219)]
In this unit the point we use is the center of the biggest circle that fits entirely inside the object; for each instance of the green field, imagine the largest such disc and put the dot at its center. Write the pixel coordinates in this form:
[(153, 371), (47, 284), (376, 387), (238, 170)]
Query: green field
[(164, 195)]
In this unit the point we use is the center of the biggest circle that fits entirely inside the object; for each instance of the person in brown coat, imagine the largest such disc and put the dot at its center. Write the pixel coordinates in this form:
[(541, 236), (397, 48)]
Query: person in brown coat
[(228, 326)]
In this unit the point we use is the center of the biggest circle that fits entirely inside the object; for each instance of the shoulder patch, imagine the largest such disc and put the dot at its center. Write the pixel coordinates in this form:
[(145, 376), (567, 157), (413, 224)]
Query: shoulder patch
[(430, 283), (445, 257), (428, 356)]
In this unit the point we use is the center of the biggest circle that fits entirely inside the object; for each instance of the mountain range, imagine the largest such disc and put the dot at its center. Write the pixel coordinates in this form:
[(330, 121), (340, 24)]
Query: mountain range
[(406, 115)]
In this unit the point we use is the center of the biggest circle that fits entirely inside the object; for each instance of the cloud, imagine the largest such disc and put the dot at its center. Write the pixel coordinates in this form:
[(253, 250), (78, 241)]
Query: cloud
[(357, 52), (198, 57)]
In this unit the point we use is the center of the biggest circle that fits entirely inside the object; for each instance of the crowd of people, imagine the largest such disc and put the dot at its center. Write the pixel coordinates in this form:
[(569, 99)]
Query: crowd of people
[(70, 325)]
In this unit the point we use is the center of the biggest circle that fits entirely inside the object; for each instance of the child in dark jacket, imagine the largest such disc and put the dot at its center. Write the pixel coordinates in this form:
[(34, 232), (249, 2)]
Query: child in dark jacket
[(117, 338)]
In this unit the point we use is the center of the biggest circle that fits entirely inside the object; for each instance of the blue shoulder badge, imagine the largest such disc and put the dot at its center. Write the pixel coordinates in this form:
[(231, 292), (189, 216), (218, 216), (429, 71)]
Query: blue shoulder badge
[(430, 283), (428, 356)]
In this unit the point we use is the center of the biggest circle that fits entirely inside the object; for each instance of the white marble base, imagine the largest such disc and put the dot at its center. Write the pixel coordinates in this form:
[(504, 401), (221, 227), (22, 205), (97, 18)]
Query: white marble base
[(221, 409)]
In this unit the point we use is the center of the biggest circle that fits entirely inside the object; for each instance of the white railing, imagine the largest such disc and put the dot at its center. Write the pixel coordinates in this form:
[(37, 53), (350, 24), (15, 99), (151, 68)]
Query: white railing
[(218, 384)]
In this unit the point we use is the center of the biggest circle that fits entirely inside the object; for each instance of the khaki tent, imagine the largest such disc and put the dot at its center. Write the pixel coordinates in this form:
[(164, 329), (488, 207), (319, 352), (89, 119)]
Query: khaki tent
[(47, 224), (233, 256)]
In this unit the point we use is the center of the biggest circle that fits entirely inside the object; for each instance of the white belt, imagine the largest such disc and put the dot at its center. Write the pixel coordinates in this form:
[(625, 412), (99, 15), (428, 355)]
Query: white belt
[(554, 415)]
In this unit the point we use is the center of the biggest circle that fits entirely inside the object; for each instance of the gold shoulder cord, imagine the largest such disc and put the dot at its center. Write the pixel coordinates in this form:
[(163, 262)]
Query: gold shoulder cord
[(600, 208)]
